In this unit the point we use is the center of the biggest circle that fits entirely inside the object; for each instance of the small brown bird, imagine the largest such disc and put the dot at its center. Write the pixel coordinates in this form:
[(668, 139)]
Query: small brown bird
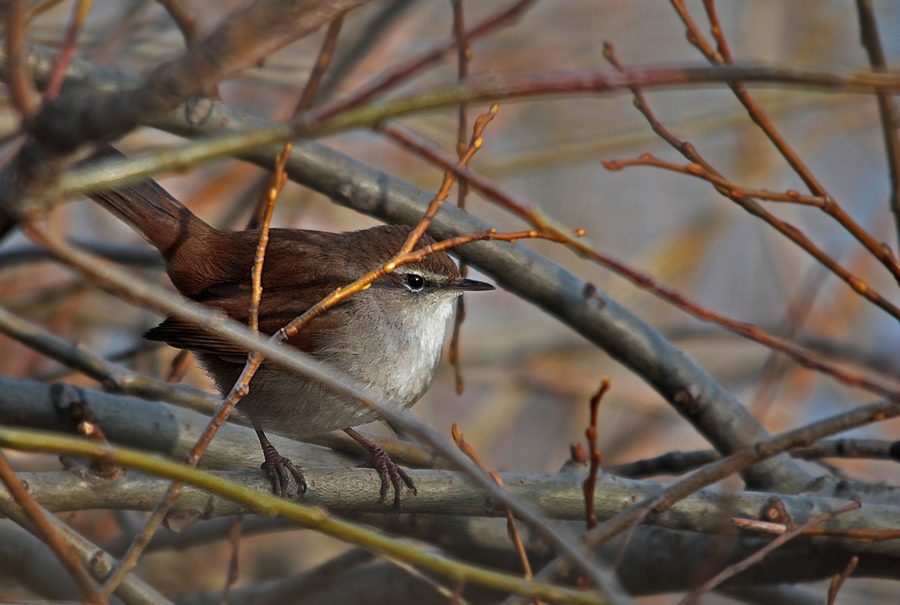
[(389, 337)]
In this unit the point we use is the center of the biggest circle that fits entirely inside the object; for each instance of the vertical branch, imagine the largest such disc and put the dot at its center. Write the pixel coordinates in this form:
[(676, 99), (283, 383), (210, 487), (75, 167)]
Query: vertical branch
[(718, 34), (887, 108), (279, 178), (22, 92), (838, 580), (234, 538), (57, 74), (90, 592), (590, 484), (511, 527), (475, 144), (276, 184), (464, 54), (324, 60), (185, 21)]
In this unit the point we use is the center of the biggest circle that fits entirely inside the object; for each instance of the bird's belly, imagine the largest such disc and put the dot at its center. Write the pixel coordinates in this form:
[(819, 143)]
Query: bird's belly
[(291, 405)]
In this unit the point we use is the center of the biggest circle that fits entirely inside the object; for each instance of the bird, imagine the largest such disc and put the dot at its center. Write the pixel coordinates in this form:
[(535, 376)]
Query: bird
[(389, 337)]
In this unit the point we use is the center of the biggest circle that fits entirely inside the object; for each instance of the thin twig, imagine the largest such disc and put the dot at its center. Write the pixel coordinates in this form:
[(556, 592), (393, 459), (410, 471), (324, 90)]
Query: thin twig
[(758, 556), (590, 484), (463, 56), (23, 94), (860, 535), (678, 463), (183, 18), (776, 366), (322, 62), (801, 355), (879, 250), (450, 177), (401, 73), (829, 206), (278, 180), (790, 196), (58, 72), (234, 538), (90, 592), (838, 580), (511, 527), (716, 30), (887, 106)]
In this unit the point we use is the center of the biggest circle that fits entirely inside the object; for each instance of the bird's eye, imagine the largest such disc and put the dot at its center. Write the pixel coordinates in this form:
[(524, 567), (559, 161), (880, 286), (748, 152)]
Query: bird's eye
[(415, 282)]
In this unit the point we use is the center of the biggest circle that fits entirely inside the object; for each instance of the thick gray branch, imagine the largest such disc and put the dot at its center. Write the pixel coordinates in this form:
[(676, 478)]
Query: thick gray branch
[(153, 426), (559, 496)]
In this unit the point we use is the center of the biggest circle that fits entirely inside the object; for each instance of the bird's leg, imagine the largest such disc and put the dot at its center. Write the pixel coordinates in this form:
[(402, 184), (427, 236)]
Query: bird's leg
[(277, 466), (390, 473)]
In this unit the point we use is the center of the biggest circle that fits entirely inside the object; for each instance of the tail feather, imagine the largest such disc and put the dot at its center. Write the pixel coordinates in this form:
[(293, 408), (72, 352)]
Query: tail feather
[(179, 235)]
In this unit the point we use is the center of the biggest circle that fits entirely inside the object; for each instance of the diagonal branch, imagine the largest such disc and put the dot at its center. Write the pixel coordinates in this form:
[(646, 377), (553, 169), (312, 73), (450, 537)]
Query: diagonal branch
[(887, 106)]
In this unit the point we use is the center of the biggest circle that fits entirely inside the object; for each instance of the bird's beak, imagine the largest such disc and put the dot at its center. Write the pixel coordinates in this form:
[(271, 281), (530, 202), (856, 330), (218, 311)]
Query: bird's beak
[(469, 285)]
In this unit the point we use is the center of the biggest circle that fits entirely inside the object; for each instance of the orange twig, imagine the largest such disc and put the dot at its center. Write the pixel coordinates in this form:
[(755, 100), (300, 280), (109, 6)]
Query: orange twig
[(535, 217), (750, 204), (590, 484), (511, 527), (57, 74), (450, 177), (879, 250), (838, 580), (696, 170)]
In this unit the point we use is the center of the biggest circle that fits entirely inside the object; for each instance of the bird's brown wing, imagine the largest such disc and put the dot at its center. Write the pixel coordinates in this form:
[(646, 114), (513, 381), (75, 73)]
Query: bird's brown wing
[(277, 308)]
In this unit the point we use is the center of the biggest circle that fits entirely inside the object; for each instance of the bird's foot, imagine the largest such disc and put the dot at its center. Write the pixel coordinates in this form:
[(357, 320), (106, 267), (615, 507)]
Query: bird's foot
[(279, 468), (391, 474)]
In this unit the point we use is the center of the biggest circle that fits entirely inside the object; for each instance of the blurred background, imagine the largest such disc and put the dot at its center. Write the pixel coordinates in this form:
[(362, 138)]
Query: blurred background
[(528, 377)]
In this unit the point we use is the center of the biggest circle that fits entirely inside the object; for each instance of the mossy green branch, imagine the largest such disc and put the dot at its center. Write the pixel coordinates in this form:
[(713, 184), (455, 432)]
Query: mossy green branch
[(312, 517)]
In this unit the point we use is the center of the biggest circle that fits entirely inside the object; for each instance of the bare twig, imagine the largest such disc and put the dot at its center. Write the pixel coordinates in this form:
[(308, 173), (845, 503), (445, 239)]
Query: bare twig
[(829, 206), (590, 484), (880, 251), (677, 463), (279, 179), (183, 18), (322, 63), (22, 92), (511, 527), (860, 535), (887, 106), (838, 580), (401, 73), (756, 557), (79, 15), (234, 538), (463, 56), (801, 355)]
